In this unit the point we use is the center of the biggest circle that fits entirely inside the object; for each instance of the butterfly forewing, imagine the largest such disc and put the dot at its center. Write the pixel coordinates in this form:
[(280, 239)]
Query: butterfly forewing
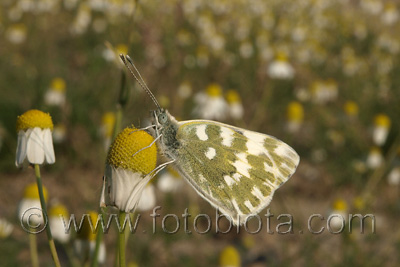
[(236, 170)]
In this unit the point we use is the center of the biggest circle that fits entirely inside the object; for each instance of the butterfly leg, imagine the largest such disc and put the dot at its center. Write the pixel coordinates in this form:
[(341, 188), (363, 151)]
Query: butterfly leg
[(152, 143), (160, 167), (142, 129)]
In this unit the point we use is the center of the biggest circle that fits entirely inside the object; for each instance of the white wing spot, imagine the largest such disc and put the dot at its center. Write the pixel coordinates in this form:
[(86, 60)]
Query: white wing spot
[(236, 206), (247, 203), (227, 136), (211, 153), (242, 166), (237, 177), (257, 193), (282, 150), (201, 132), (229, 181), (256, 137)]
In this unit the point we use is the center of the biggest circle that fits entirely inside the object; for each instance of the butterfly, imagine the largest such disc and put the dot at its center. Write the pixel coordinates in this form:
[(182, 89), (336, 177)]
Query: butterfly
[(236, 170)]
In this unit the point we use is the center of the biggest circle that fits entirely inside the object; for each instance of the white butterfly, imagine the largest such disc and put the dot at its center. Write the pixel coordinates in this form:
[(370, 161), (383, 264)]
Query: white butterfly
[(235, 170)]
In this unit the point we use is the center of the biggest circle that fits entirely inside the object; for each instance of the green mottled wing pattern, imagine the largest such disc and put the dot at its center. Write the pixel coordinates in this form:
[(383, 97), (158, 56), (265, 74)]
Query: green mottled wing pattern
[(236, 170)]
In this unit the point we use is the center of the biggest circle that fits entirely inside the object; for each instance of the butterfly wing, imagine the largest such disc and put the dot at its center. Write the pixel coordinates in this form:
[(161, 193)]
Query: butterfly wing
[(234, 169)]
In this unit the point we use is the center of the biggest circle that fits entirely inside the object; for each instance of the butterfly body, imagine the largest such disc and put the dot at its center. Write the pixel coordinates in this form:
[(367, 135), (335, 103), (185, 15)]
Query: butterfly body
[(235, 170)]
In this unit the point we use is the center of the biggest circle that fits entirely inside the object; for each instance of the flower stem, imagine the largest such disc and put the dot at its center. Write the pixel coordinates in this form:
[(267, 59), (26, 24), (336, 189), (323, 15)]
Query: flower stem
[(121, 240), (33, 249), (99, 238), (45, 218)]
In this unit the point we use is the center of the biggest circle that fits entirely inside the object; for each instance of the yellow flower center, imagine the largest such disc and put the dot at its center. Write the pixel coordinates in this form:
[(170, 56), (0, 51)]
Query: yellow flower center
[(229, 257), (232, 97), (58, 84), (86, 231), (108, 121), (32, 192), (340, 204), (382, 120), (351, 108), (34, 118), (122, 49), (58, 210), (295, 111), (124, 147), (214, 90)]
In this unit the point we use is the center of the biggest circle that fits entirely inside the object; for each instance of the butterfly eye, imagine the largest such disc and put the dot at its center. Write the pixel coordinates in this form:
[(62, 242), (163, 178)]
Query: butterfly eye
[(162, 118)]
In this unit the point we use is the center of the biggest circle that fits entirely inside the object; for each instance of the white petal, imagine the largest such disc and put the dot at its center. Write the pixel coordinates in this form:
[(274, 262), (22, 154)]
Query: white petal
[(48, 146), (35, 146), (30, 209), (58, 229), (21, 149), (148, 198), (126, 188)]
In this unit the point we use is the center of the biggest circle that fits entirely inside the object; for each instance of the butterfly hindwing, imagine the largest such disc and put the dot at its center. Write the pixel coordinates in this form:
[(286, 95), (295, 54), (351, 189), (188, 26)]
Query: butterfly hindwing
[(236, 170)]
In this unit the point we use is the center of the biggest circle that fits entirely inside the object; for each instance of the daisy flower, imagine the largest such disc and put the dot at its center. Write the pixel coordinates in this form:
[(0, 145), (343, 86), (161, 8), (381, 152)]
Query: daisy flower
[(280, 68), (55, 95), (130, 165), (381, 129), (211, 105), (29, 206), (57, 214), (35, 140), (295, 116)]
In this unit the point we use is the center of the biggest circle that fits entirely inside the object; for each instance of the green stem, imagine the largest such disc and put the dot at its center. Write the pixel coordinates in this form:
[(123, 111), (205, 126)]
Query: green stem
[(45, 218), (99, 238), (121, 240), (33, 249)]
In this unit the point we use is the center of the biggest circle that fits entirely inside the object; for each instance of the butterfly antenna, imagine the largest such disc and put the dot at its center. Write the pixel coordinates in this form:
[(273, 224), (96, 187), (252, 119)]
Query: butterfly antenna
[(141, 82)]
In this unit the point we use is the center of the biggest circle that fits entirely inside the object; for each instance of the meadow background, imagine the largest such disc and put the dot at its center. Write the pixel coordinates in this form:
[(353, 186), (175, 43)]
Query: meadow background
[(334, 96)]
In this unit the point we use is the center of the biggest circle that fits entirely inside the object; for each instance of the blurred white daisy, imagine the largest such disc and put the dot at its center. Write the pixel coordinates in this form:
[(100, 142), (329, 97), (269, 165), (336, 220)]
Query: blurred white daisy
[(16, 33), (85, 242), (58, 213), (394, 176), (390, 14), (339, 209), (169, 180), (55, 95), (381, 129), (211, 104), (148, 198), (375, 158), (6, 228), (29, 207), (280, 68), (236, 109)]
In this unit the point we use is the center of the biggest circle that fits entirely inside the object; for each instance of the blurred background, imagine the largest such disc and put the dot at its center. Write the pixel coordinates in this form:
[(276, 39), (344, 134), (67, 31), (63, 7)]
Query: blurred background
[(320, 75)]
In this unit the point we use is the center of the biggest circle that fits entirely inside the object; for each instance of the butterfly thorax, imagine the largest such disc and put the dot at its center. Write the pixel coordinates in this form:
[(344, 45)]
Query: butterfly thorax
[(167, 127)]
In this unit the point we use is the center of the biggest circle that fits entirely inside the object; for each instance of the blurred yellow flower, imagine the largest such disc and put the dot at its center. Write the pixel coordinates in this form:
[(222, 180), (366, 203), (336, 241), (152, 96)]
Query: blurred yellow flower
[(107, 128), (351, 109), (85, 242), (229, 257), (35, 141), (295, 116)]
